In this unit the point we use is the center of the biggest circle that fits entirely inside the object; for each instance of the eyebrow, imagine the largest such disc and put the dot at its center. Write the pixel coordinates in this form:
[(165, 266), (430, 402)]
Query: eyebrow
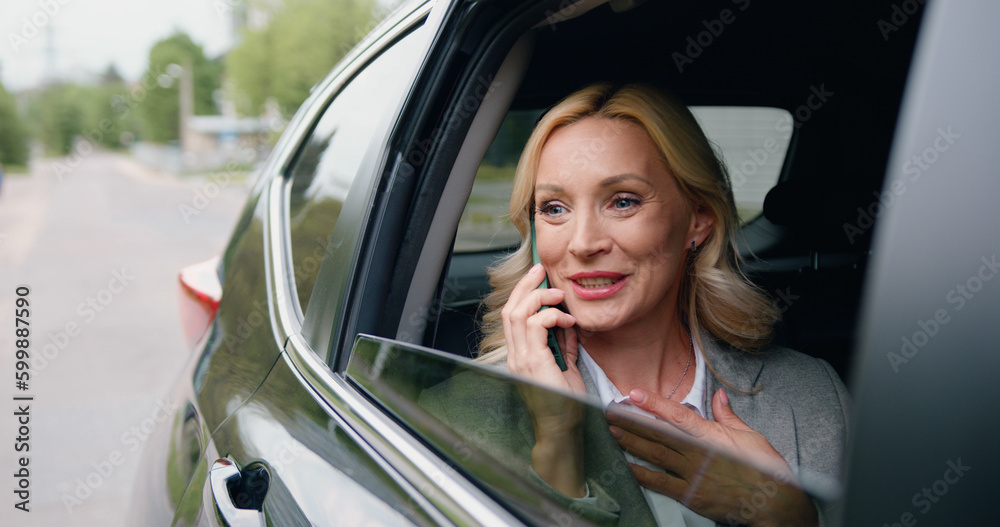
[(606, 182), (549, 187), (614, 180)]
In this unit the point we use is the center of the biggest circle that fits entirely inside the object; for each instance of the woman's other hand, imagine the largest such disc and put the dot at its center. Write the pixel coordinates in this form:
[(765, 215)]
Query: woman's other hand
[(714, 486)]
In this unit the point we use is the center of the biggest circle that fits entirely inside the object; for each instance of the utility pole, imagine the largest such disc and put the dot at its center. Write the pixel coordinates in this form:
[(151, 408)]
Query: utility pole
[(50, 53), (186, 103)]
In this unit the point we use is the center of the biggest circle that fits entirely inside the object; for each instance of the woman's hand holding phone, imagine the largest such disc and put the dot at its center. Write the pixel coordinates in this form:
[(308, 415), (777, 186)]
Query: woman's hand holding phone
[(553, 341), (527, 327), (557, 455)]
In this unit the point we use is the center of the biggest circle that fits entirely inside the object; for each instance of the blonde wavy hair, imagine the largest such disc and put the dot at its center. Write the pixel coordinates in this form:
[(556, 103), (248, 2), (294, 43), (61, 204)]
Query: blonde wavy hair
[(715, 296)]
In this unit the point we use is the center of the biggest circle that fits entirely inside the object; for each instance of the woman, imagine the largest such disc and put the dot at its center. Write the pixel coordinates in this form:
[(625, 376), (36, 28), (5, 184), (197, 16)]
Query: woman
[(636, 229)]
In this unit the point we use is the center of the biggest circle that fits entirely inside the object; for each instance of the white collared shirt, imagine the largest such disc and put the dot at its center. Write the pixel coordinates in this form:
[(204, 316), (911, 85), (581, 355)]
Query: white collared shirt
[(666, 510)]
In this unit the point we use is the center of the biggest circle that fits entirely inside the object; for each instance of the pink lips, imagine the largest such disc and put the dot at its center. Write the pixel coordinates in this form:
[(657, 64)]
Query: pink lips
[(597, 292)]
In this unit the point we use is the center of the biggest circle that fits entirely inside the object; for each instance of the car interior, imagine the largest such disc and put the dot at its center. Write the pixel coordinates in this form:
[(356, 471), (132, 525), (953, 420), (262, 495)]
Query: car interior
[(834, 69)]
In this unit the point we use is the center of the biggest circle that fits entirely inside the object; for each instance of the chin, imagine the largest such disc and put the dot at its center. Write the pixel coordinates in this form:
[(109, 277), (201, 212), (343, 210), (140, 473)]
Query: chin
[(594, 324)]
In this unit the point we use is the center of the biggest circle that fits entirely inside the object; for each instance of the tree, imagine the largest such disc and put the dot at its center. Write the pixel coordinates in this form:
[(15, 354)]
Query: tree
[(160, 110), (296, 50), (106, 112), (13, 132), (57, 113), (111, 76)]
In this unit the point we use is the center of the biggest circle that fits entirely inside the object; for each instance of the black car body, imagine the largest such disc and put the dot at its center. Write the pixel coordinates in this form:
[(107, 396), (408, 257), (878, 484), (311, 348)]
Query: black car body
[(285, 415)]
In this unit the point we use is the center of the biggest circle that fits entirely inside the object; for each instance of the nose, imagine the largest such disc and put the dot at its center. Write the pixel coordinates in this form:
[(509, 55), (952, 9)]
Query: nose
[(589, 236)]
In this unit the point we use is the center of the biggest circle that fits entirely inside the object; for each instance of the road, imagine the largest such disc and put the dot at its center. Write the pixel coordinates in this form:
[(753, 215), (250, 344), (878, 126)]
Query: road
[(100, 246)]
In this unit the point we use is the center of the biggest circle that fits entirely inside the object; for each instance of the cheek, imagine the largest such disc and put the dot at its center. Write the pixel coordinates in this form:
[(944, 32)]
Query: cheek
[(551, 247), (658, 251)]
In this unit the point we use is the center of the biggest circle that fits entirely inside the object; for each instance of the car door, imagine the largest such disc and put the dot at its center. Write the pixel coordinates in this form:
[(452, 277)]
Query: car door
[(923, 447), (278, 442), (309, 446)]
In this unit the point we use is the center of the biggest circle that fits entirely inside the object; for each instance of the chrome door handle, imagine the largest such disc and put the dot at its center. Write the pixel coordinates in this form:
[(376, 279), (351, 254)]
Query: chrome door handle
[(224, 472)]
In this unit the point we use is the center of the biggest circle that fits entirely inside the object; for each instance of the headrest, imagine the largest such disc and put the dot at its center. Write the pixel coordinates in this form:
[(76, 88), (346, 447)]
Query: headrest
[(826, 209)]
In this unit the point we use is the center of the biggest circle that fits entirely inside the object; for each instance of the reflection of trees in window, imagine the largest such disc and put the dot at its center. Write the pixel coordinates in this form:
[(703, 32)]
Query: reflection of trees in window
[(303, 172), (327, 166)]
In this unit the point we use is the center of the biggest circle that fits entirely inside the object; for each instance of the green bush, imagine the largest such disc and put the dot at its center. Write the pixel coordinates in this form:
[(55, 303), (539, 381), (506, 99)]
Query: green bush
[(13, 133)]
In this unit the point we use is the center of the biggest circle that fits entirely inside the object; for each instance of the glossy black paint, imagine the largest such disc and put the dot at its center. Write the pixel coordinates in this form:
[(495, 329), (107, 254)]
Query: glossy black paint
[(233, 358), (318, 469)]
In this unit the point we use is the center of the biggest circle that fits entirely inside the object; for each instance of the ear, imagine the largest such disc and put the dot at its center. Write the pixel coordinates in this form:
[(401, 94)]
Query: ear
[(702, 223)]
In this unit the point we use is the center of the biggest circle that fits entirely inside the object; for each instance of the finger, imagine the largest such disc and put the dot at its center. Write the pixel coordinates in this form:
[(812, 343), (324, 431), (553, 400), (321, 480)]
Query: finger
[(568, 344), (519, 313), (672, 412), (688, 448), (529, 282), (662, 482), (531, 302), (724, 413), (552, 318), (637, 440), (514, 312), (539, 325), (531, 351)]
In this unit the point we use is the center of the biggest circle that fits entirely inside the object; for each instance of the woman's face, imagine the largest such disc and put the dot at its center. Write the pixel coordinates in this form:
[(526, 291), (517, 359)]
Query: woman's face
[(613, 228)]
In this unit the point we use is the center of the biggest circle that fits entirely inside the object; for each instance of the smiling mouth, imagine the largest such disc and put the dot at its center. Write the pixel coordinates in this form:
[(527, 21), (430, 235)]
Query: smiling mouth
[(593, 283)]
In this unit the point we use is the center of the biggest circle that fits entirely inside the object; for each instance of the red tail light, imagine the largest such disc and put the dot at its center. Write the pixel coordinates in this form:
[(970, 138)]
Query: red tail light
[(200, 296)]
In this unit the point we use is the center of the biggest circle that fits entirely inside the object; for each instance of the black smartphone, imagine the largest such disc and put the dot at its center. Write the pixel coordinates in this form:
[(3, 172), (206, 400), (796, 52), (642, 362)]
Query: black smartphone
[(553, 342)]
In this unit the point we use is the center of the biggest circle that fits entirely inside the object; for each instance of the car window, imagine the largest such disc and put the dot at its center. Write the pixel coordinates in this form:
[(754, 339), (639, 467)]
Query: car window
[(484, 224), (752, 141), (326, 167), (475, 416)]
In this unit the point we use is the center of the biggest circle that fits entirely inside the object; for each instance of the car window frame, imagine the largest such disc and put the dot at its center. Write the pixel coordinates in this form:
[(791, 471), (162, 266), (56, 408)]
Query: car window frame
[(376, 149), (404, 455), (491, 46), (290, 317)]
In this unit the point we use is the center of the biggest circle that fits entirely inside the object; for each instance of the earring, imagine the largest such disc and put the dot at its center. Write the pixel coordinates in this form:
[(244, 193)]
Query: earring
[(694, 247)]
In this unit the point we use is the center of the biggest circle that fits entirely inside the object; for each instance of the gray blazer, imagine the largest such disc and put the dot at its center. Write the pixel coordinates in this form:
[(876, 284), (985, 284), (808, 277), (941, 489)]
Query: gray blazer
[(797, 402)]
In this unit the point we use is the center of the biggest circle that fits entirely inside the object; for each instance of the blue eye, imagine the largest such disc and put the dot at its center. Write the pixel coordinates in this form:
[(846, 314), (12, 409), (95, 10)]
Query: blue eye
[(552, 208), (622, 203)]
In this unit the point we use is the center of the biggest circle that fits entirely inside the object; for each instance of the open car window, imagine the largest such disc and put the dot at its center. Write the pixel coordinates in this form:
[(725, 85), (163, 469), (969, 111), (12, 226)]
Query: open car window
[(476, 417)]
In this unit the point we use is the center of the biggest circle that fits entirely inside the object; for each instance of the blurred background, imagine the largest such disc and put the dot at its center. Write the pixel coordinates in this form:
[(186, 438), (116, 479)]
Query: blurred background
[(180, 84), (129, 134)]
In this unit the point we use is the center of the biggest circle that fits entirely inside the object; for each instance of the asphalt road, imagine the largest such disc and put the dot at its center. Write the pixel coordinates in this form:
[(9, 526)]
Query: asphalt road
[(100, 247)]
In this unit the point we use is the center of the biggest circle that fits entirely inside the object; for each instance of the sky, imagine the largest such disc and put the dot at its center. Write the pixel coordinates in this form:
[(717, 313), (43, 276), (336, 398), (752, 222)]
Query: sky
[(87, 35)]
